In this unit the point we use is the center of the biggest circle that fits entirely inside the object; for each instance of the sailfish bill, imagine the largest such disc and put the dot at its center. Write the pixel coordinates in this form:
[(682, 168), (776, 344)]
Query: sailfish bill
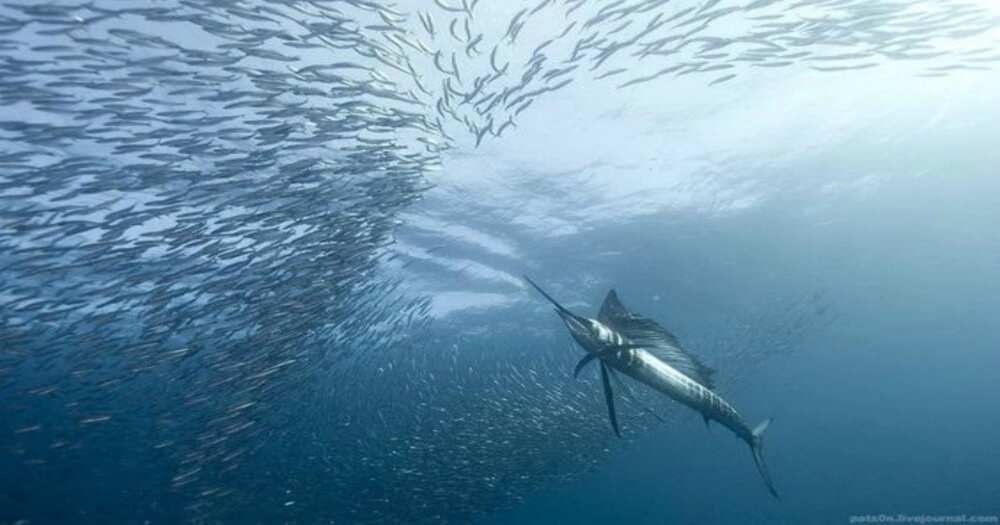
[(559, 307), (624, 341)]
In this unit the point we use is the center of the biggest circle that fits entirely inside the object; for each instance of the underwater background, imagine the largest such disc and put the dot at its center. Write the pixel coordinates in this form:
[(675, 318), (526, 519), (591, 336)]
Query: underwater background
[(260, 262)]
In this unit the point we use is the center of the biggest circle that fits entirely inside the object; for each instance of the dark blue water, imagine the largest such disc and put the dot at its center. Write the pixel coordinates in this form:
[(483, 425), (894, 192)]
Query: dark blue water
[(262, 262)]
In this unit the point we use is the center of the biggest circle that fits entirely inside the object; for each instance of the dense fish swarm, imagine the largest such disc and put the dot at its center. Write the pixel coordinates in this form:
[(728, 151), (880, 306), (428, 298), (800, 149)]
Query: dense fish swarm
[(196, 199)]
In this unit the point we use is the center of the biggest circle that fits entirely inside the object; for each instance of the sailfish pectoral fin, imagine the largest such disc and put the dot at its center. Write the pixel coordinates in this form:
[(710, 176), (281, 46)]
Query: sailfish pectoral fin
[(609, 397), (628, 393), (607, 352), (583, 362)]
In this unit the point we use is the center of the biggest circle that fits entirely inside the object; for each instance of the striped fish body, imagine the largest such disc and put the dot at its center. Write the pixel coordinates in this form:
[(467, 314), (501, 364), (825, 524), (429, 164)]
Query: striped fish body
[(620, 340), (648, 369)]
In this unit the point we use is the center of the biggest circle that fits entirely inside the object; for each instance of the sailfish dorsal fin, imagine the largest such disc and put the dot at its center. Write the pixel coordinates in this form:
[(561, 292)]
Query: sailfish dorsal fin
[(653, 338)]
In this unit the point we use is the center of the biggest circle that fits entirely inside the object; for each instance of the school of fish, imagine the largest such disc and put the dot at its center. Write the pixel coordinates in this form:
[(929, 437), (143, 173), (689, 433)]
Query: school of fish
[(198, 199)]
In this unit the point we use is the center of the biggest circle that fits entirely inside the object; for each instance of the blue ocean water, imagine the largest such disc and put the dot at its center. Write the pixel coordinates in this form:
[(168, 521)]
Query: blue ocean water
[(262, 262)]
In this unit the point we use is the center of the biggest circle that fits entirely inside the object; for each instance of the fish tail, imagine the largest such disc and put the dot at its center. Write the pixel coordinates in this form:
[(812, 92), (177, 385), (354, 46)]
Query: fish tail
[(756, 443)]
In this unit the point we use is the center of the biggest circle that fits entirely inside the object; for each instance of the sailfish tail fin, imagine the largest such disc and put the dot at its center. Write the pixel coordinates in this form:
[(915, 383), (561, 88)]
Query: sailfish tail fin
[(757, 448)]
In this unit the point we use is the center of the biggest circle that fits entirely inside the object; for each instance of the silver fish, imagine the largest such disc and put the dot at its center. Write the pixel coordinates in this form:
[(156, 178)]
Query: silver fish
[(643, 350)]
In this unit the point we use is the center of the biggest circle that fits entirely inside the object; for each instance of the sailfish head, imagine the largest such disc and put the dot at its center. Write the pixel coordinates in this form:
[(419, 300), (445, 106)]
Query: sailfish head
[(590, 334), (581, 328)]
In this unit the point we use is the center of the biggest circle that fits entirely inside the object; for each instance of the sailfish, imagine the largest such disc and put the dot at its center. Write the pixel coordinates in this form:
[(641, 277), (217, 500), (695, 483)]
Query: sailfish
[(623, 341)]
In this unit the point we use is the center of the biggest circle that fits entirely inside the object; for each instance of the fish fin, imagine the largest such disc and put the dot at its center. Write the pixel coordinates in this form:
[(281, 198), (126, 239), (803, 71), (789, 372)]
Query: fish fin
[(610, 399), (607, 352), (758, 431), (583, 362), (757, 448), (611, 308), (649, 335), (628, 393), (616, 315), (703, 416)]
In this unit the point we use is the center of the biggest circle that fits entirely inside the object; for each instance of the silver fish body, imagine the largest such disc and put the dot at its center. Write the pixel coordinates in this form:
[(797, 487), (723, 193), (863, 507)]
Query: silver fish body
[(652, 371), (641, 349)]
